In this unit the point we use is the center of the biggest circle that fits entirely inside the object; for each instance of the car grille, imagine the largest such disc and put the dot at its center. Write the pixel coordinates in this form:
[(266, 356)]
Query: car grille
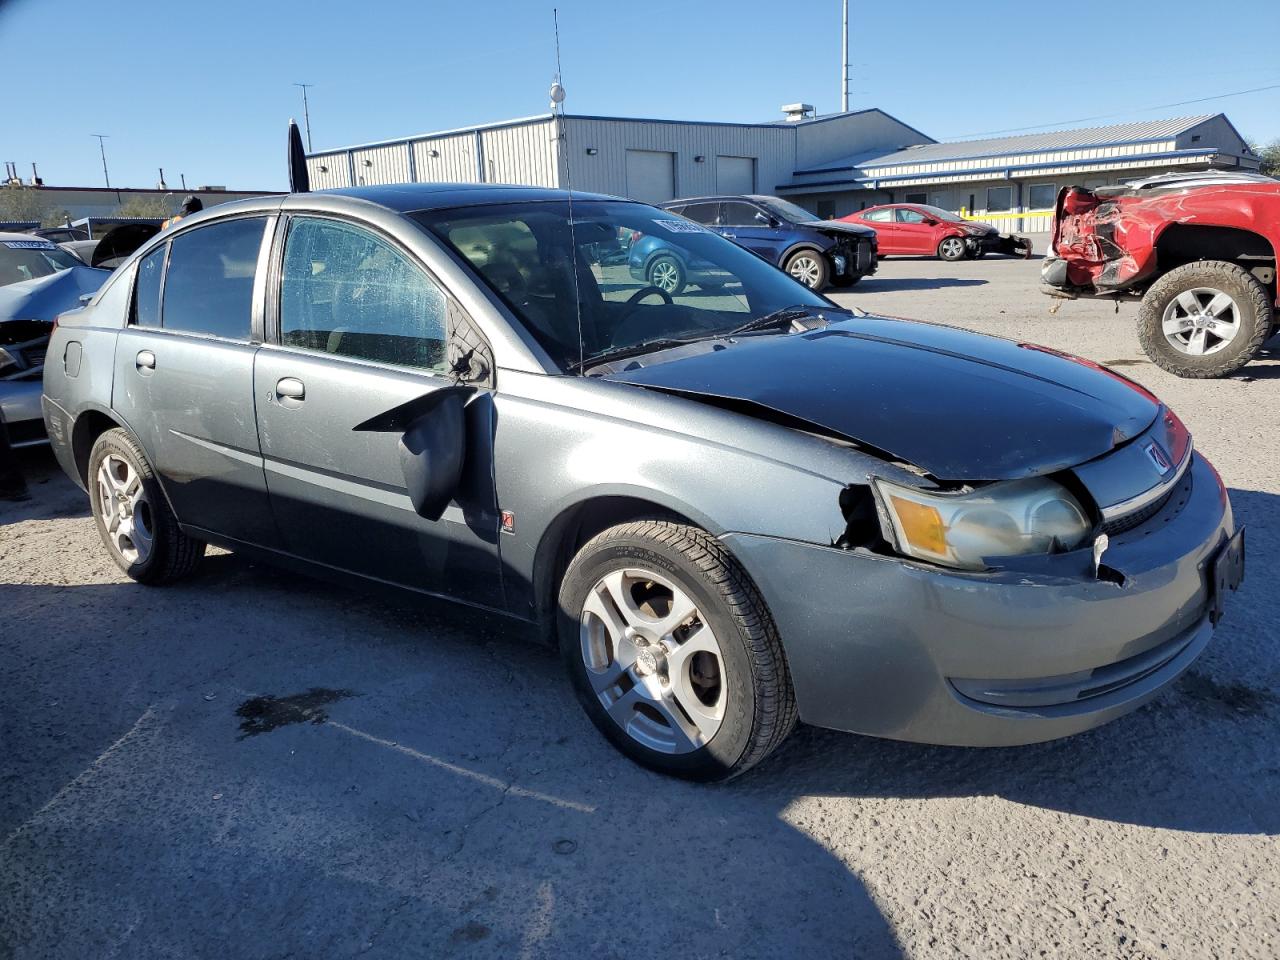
[(1136, 518), (30, 357)]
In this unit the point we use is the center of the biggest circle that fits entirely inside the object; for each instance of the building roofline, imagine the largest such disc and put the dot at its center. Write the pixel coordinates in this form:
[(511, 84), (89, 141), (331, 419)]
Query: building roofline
[(1119, 161)]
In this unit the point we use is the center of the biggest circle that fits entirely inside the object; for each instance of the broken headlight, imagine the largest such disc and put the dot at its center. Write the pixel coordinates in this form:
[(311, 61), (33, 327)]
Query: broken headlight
[(1019, 517)]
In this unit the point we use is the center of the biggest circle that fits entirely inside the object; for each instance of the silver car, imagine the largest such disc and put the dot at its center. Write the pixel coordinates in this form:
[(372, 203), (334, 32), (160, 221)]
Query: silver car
[(732, 508)]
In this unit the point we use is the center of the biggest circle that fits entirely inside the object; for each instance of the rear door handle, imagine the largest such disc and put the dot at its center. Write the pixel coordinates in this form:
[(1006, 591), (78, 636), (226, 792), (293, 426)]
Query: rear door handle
[(146, 360), (290, 388)]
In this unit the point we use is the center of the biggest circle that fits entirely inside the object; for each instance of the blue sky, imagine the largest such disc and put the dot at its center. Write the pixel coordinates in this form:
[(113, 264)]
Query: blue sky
[(204, 89)]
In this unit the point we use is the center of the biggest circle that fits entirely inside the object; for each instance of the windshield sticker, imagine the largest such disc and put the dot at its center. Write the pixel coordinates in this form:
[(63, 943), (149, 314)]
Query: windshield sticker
[(681, 226), (29, 245)]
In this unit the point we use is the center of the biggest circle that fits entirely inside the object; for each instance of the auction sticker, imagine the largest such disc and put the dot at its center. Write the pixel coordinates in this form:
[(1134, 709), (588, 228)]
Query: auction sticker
[(29, 245), (681, 226)]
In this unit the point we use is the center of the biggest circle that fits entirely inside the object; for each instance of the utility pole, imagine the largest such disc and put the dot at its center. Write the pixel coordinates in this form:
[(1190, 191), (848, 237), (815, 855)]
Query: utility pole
[(306, 112), (844, 61), (103, 150)]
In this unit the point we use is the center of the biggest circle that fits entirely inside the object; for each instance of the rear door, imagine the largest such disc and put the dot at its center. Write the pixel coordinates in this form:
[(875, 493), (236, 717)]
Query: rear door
[(888, 238), (184, 374), (359, 328)]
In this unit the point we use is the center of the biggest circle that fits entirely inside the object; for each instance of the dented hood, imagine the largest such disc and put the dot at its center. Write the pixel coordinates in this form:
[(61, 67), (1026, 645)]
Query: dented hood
[(958, 405), (45, 297)]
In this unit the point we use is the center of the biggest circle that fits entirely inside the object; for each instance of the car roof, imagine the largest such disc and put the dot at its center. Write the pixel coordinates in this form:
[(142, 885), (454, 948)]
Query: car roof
[(411, 197)]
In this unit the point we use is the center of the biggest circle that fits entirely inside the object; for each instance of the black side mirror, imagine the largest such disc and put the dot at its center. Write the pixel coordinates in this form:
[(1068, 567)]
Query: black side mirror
[(768, 221), (433, 447), (929, 222)]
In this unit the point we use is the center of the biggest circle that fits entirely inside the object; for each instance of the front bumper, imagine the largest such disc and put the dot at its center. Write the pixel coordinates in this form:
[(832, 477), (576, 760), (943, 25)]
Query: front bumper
[(20, 402), (1010, 244), (897, 649)]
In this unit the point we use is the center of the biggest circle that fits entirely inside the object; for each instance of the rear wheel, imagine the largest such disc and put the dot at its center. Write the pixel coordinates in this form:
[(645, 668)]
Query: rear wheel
[(1204, 319), (952, 249), (809, 267), (134, 519), (672, 651), (667, 274)]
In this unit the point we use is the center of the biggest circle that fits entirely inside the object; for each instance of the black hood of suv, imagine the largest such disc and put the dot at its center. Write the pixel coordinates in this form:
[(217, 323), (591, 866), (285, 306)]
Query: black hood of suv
[(961, 406)]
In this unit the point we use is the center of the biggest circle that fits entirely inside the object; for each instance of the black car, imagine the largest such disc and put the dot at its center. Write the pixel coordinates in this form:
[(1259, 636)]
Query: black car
[(814, 251)]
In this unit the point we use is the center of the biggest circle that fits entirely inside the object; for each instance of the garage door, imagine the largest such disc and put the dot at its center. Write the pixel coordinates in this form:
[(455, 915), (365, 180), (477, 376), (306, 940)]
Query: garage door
[(735, 175), (651, 175)]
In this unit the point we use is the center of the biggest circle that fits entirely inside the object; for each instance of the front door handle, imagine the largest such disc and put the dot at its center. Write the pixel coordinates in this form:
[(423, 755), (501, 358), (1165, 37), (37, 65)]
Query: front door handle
[(146, 360), (290, 388)]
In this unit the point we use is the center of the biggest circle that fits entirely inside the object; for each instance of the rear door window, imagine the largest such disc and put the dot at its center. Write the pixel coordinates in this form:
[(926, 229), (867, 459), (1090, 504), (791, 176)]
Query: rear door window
[(878, 216), (208, 286), (704, 213)]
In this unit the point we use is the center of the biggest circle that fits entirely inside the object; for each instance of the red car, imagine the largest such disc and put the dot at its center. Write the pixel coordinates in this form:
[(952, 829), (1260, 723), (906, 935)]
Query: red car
[(914, 228), (1198, 249)]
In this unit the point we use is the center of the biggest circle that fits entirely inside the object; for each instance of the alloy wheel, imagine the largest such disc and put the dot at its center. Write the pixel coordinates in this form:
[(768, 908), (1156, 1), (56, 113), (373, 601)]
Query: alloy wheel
[(1201, 321), (125, 510), (665, 275), (953, 248), (653, 660), (805, 269)]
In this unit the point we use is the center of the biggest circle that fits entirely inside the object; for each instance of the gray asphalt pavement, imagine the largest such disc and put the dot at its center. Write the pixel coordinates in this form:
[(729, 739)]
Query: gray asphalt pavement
[(255, 765)]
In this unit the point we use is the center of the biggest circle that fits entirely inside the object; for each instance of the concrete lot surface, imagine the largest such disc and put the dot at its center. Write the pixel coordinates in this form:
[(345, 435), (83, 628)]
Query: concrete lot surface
[(252, 765)]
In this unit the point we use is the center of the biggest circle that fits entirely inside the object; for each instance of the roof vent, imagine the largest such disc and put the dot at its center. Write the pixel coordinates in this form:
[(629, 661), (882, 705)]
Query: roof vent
[(795, 112)]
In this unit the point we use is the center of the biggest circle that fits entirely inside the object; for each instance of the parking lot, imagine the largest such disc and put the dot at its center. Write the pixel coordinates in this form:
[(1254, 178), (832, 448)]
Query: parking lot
[(254, 765)]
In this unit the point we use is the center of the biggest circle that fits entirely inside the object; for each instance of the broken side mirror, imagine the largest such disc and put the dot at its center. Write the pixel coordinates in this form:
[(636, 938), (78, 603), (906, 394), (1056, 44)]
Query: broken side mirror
[(432, 446)]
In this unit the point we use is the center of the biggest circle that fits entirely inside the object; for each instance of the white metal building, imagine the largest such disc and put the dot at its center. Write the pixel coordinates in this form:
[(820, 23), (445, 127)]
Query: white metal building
[(832, 165)]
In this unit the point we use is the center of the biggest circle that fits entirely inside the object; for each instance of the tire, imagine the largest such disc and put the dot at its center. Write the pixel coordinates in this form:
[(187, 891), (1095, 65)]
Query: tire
[(667, 274), (808, 267), (133, 517), (745, 706), (845, 281), (952, 249), (1216, 308)]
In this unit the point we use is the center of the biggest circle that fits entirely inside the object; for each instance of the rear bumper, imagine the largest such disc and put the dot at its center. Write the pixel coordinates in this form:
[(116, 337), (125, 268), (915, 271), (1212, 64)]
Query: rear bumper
[(20, 401), (907, 651)]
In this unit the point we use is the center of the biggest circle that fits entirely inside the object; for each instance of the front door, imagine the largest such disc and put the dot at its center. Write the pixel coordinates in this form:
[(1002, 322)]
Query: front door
[(362, 330), (751, 227), (914, 235), (184, 376)]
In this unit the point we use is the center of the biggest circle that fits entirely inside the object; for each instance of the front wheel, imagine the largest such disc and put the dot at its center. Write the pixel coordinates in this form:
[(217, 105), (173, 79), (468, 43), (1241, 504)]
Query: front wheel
[(672, 651), (134, 519), (1204, 319), (809, 267), (952, 249)]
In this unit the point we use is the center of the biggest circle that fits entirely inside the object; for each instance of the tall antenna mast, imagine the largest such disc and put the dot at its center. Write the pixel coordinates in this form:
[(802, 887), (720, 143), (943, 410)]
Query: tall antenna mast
[(306, 111), (557, 107), (844, 61), (103, 150)]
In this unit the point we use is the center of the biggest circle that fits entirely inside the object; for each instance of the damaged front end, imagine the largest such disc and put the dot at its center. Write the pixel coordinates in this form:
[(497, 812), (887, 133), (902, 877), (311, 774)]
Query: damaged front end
[(1096, 249)]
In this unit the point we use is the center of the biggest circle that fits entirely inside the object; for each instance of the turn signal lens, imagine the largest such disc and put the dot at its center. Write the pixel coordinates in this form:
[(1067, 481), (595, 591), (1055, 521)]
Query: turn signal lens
[(921, 525)]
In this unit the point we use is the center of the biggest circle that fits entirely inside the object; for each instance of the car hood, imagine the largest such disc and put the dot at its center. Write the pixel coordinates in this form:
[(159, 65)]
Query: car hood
[(838, 226), (961, 406), (45, 297)]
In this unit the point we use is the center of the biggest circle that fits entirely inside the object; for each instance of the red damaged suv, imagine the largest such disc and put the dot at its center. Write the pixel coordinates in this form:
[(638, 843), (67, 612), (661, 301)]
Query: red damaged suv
[(1198, 249)]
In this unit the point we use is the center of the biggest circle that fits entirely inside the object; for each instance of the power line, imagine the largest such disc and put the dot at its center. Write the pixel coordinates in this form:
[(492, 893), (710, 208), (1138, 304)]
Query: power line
[(1109, 116)]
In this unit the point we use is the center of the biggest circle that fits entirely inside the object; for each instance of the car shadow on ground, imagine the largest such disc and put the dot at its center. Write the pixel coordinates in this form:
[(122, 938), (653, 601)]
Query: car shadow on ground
[(440, 791), (883, 284)]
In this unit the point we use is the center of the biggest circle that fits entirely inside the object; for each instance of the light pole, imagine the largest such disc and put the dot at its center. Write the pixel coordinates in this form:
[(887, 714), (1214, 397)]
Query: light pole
[(306, 112), (103, 150)]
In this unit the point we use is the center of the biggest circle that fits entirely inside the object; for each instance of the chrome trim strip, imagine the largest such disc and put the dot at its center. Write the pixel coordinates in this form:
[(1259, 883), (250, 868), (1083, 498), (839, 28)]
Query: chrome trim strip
[(1124, 507)]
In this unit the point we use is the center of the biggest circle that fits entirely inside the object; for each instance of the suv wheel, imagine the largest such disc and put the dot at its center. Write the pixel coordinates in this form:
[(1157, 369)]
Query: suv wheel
[(667, 274), (672, 651), (134, 519), (952, 249), (809, 267), (1204, 319)]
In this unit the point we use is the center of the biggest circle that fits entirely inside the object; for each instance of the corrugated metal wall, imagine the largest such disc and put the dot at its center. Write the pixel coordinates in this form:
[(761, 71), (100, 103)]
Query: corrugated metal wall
[(521, 154), (454, 159), (606, 171)]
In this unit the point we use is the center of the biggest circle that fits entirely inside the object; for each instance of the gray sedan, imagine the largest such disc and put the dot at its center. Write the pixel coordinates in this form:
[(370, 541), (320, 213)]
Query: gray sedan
[(731, 508)]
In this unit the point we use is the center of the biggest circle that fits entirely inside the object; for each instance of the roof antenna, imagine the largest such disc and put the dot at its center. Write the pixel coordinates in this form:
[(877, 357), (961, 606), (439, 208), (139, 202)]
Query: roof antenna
[(299, 178), (557, 109)]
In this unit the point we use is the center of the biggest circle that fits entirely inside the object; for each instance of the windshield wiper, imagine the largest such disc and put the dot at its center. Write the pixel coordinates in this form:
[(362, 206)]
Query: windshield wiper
[(632, 350), (779, 318)]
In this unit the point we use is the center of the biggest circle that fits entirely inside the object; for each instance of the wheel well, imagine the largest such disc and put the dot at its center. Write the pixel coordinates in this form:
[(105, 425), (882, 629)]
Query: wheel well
[(89, 426), (567, 534), (1185, 243)]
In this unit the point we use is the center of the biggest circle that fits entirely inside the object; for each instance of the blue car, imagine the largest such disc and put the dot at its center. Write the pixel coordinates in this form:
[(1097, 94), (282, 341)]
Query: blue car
[(812, 250)]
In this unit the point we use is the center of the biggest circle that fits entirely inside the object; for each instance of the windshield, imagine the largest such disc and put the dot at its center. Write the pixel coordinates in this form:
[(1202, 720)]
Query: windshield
[(939, 214), (642, 274), (28, 259), (788, 210)]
